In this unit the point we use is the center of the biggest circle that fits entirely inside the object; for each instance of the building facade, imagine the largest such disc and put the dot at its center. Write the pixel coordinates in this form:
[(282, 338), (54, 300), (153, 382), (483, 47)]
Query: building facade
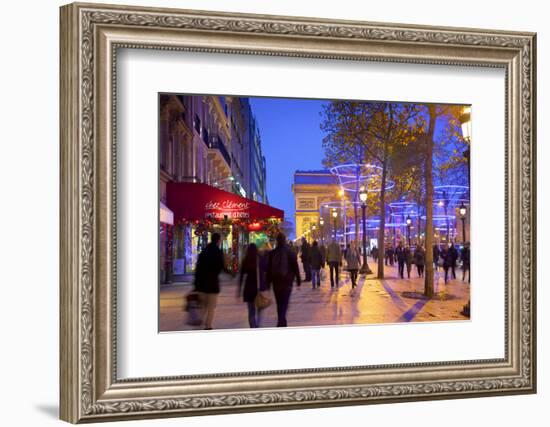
[(210, 140)]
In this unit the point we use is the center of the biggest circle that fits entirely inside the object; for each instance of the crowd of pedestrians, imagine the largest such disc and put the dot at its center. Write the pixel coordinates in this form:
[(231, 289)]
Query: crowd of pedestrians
[(445, 257), (264, 269)]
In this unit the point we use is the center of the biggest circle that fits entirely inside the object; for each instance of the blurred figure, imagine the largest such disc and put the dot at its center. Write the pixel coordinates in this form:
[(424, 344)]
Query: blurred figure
[(390, 255), (420, 260), (408, 260), (207, 283), (253, 271), (374, 253), (305, 256), (282, 268), (353, 261), (317, 262), (334, 259), (436, 254), (400, 255), (454, 259), (447, 260)]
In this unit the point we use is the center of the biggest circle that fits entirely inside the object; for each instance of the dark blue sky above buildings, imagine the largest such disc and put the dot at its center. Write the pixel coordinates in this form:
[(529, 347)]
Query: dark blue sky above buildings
[(291, 140)]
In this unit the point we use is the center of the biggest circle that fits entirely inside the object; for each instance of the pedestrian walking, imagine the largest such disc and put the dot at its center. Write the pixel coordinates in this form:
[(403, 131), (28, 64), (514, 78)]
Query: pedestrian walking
[(250, 273), (353, 261), (448, 258), (400, 256), (334, 259), (305, 256), (317, 262), (454, 259), (253, 272), (207, 282), (420, 260), (374, 253), (465, 258), (408, 260), (282, 268), (436, 254)]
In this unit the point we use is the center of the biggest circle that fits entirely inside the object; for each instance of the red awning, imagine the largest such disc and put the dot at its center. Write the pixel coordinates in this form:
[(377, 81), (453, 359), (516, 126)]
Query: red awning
[(191, 201)]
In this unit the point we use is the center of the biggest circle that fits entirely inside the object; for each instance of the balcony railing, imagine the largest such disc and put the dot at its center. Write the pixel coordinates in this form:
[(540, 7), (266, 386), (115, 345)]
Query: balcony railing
[(217, 143)]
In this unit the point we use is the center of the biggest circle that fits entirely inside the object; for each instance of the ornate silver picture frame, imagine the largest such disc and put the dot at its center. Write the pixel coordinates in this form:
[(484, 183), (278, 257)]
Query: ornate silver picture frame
[(91, 390)]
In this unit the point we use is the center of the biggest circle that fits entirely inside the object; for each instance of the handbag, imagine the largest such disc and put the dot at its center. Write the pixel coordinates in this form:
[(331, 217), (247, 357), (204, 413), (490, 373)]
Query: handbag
[(193, 307), (262, 299)]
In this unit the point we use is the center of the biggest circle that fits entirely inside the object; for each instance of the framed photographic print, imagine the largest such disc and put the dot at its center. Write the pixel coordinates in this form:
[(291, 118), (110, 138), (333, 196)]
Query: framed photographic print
[(266, 212)]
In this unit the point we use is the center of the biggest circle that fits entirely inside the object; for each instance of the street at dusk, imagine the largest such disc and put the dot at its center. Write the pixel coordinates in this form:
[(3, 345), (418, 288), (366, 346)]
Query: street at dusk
[(390, 300)]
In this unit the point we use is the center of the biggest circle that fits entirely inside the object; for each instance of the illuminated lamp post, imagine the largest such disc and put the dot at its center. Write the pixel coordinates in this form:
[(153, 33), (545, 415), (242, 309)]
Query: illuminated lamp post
[(409, 222), (462, 211), (313, 234), (363, 194)]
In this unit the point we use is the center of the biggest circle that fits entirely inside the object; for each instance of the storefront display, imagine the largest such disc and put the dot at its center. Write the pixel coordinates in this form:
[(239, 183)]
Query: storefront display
[(198, 211)]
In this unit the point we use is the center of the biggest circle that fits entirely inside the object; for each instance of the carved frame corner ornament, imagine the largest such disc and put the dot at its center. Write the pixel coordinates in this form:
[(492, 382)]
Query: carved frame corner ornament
[(90, 37)]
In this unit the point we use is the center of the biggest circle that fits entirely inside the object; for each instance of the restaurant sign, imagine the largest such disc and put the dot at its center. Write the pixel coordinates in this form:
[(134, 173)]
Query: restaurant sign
[(227, 209)]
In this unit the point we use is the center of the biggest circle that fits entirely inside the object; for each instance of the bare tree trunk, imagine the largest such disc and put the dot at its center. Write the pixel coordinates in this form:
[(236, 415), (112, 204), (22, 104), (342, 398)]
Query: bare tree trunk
[(382, 225), (355, 207), (429, 276)]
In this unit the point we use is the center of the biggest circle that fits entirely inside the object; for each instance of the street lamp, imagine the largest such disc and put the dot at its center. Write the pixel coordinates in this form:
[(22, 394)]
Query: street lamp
[(334, 216), (321, 224), (462, 211), (409, 222), (313, 228), (363, 194)]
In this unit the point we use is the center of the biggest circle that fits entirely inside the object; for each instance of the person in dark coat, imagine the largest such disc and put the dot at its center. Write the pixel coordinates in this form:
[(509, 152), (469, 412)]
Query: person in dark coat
[(436, 254), (389, 255), (400, 255), (317, 262), (305, 256), (419, 260), (207, 282), (282, 268), (374, 253), (448, 261), (465, 257), (408, 260), (253, 271), (454, 259)]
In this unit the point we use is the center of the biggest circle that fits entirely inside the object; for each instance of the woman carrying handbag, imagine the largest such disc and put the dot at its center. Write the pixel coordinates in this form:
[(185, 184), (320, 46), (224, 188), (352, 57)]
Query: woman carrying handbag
[(253, 270)]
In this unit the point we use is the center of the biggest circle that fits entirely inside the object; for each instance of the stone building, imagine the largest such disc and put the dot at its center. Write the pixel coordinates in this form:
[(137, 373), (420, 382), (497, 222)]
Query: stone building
[(212, 140)]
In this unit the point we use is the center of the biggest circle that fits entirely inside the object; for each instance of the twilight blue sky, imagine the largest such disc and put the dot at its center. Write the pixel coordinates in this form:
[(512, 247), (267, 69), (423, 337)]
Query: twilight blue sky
[(291, 140)]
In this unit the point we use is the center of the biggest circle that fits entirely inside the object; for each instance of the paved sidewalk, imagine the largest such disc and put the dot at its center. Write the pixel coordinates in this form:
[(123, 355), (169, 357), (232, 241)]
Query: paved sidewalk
[(389, 300)]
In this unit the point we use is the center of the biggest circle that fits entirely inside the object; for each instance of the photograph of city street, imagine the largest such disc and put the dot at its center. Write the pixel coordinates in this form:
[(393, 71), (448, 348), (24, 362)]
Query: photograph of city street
[(291, 212)]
